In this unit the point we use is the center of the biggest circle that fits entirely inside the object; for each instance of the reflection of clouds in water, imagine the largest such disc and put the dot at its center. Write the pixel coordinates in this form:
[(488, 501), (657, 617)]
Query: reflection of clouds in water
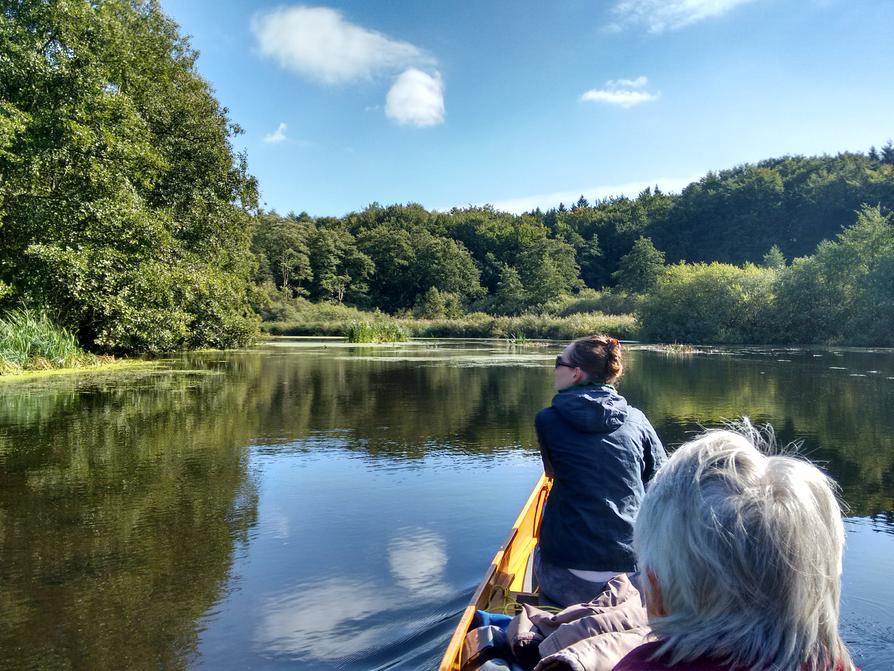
[(339, 618), (417, 560), (329, 620), (276, 523)]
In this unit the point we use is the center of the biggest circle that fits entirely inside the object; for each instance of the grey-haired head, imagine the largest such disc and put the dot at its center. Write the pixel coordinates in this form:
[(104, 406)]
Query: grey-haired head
[(742, 551)]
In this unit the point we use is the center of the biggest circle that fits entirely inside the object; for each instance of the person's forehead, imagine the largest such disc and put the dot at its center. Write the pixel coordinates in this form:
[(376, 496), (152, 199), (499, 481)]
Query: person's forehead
[(568, 349)]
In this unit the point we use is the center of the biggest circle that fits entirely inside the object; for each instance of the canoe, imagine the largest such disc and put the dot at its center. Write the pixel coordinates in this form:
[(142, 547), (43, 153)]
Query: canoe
[(509, 578)]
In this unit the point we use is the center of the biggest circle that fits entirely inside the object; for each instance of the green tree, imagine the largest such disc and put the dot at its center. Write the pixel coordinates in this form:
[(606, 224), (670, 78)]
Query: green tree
[(774, 258), (283, 246), (340, 270), (841, 293), (639, 270), (511, 297), (391, 250), (547, 269), (447, 265), (888, 153), (710, 303), (124, 208), (435, 304)]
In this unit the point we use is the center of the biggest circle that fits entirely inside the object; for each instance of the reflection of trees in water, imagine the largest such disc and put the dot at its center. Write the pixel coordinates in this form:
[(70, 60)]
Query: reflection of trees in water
[(121, 504), (120, 510), (401, 407), (845, 422)]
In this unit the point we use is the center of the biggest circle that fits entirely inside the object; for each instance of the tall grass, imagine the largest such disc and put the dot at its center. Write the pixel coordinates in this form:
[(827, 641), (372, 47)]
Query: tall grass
[(386, 331), (30, 340), (474, 325)]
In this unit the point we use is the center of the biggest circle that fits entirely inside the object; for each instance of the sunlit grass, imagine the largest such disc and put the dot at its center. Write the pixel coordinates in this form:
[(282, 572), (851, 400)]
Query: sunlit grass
[(476, 325), (30, 340), (384, 331)]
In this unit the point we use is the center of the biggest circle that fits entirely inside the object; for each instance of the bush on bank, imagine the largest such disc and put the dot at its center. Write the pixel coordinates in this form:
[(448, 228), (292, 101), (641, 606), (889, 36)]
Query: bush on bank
[(843, 294), (710, 303)]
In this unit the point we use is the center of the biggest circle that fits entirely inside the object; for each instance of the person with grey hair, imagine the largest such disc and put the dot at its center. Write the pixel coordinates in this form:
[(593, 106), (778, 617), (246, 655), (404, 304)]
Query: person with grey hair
[(741, 554)]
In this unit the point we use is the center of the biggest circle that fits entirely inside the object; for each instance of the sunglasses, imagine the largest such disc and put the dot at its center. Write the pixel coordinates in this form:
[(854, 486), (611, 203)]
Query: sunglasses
[(559, 362)]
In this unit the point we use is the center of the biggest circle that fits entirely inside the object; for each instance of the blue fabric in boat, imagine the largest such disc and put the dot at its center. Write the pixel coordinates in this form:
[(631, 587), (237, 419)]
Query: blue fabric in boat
[(483, 619)]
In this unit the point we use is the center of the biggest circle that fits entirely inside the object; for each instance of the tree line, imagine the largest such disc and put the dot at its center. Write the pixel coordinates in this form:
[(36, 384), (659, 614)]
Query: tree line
[(404, 258)]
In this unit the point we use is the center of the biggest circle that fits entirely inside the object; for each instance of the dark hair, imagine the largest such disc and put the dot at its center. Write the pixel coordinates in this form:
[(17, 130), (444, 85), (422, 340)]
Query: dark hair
[(599, 356)]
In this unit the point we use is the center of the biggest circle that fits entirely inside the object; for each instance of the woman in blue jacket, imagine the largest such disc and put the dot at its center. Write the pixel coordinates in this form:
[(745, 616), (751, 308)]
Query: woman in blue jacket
[(600, 452)]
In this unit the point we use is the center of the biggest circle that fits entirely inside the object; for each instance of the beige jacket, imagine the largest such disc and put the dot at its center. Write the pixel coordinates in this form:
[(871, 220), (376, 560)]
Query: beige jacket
[(591, 636)]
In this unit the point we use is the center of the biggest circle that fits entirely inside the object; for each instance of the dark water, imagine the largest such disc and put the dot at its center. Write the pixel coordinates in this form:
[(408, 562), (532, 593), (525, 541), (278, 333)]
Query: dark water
[(319, 506)]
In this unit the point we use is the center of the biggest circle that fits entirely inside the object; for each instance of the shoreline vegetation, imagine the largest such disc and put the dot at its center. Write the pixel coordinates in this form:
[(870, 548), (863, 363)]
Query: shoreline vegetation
[(140, 235), (304, 318), (33, 345), (31, 341)]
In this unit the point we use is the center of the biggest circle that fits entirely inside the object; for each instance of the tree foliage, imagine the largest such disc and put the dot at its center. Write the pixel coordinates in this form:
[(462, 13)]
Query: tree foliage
[(123, 205), (640, 268), (844, 293)]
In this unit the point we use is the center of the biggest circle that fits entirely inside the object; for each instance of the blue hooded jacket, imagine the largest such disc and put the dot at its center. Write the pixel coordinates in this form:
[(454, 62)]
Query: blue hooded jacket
[(600, 452)]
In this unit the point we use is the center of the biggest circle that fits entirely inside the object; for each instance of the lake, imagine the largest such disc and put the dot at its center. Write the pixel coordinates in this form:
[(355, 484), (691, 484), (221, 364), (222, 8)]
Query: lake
[(311, 504)]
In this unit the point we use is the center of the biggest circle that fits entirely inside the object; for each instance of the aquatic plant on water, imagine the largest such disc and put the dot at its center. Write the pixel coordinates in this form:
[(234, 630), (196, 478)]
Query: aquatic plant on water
[(375, 332)]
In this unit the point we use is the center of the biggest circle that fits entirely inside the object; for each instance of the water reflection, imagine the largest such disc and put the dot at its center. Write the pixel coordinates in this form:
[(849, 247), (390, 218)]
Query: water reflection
[(120, 509), (296, 503), (339, 617), (417, 559), (324, 621)]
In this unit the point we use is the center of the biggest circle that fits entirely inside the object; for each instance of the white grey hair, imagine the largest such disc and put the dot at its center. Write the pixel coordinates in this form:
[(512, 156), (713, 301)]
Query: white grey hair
[(746, 550)]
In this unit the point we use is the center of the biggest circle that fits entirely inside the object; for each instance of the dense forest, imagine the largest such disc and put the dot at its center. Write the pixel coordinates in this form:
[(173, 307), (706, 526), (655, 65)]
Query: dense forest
[(390, 257), (126, 214), (796, 249)]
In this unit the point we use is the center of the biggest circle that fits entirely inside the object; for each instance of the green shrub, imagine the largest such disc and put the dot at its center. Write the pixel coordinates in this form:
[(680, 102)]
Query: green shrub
[(608, 301), (710, 303), (843, 293)]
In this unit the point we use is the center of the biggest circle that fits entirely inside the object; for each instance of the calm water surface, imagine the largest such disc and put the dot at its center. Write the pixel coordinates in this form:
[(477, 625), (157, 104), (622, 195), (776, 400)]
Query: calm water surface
[(321, 506)]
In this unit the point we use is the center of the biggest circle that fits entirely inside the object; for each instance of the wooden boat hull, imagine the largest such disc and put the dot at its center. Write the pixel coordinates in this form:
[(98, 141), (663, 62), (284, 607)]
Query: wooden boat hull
[(509, 572)]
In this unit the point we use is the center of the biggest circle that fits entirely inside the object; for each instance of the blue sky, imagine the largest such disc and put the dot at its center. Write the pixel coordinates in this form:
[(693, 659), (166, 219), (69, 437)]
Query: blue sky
[(525, 103)]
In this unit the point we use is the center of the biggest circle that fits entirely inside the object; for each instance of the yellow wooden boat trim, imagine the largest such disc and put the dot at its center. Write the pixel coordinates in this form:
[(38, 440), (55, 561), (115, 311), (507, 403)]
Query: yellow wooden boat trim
[(506, 573)]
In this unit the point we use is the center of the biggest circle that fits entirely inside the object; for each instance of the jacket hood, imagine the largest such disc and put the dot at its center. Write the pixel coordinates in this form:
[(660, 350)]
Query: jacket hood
[(592, 408)]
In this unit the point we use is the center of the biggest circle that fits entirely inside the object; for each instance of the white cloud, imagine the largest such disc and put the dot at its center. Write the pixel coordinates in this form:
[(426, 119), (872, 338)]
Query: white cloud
[(621, 98), (416, 98), (658, 16), (621, 92), (319, 43), (277, 136), (637, 83), (546, 201)]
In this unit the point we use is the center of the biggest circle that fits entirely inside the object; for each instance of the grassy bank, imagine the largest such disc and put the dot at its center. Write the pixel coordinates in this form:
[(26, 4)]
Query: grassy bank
[(31, 341), (476, 325)]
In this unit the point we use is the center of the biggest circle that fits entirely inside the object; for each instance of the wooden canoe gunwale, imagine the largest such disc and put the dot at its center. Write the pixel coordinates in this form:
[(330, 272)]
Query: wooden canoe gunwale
[(506, 571)]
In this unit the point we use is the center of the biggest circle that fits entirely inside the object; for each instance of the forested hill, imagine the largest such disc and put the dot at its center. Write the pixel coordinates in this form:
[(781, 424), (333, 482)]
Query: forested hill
[(792, 202), (392, 257)]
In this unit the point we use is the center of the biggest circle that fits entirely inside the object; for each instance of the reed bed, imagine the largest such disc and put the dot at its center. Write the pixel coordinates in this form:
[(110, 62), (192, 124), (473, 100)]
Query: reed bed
[(31, 340), (475, 325), (383, 331)]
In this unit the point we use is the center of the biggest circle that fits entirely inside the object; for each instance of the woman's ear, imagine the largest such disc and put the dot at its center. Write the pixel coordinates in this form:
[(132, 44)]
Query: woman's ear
[(654, 599)]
